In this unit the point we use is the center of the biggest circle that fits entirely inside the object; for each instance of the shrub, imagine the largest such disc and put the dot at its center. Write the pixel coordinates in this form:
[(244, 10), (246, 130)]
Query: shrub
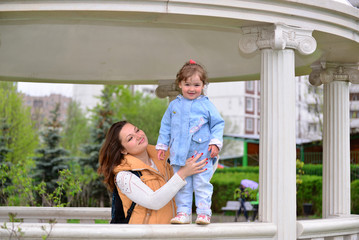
[(317, 170), (310, 191), (225, 181), (313, 169), (354, 172), (249, 169), (224, 186), (354, 190)]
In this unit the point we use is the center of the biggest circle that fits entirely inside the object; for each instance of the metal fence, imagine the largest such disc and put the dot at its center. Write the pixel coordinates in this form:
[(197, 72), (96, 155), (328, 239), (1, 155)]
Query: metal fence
[(315, 158)]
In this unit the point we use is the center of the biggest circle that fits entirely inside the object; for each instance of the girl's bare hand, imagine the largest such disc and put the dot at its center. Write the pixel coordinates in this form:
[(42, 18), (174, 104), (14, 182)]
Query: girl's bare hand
[(214, 150), (161, 154), (192, 166)]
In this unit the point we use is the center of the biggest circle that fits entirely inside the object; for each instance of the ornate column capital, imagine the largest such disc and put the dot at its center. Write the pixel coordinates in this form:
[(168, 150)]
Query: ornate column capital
[(277, 36), (326, 72), (167, 89)]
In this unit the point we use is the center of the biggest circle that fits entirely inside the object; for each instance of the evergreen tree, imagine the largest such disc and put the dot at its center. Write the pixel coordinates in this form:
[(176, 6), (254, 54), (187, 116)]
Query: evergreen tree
[(102, 121), (52, 157)]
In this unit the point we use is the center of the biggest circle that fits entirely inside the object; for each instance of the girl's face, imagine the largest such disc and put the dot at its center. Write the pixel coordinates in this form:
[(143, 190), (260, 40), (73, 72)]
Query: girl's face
[(133, 140), (192, 87)]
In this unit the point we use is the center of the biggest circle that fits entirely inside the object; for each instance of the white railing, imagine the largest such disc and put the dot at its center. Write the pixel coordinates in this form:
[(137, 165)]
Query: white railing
[(35, 224), (60, 214), (40, 216), (260, 231), (338, 228)]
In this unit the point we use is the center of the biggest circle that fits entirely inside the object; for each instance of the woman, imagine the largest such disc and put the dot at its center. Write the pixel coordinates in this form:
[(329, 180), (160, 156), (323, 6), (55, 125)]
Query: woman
[(126, 149)]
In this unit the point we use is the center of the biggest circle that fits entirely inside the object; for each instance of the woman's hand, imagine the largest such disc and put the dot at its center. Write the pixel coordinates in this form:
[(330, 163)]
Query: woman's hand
[(192, 167)]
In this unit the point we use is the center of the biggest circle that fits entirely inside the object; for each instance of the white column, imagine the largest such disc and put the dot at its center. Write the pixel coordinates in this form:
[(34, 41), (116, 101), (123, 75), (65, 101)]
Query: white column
[(336, 135), (277, 153), (336, 149)]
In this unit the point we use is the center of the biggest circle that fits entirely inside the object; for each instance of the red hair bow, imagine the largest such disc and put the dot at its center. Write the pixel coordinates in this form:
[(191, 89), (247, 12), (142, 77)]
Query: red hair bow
[(192, 62)]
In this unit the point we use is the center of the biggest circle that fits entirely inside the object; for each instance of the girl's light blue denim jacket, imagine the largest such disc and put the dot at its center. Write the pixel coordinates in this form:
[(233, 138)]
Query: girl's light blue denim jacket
[(185, 121)]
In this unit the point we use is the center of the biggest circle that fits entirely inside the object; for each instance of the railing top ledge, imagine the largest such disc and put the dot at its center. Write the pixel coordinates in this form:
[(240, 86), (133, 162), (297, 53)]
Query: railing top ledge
[(344, 225), (57, 212), (159, 231)]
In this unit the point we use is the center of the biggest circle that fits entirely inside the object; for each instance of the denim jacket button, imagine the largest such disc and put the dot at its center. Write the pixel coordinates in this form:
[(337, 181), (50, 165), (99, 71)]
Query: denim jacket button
[(200, 140)]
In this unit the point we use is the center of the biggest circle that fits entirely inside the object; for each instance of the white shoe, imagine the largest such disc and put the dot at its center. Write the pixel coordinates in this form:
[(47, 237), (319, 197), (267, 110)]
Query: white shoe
[(203, 219), (181, 218)]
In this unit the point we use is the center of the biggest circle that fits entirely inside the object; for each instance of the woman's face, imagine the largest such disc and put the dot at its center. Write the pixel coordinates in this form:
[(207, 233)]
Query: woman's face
[(133, 139)]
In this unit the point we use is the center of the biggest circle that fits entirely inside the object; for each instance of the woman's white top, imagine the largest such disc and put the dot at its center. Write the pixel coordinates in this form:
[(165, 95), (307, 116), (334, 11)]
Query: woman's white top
[(136, 190)]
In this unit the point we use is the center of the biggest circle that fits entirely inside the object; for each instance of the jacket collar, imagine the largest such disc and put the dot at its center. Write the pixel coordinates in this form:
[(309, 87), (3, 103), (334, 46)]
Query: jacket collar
[(180, 97)]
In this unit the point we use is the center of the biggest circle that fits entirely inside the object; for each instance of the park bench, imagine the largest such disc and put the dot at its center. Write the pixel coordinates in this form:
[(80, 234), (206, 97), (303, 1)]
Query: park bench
[(235, 205)]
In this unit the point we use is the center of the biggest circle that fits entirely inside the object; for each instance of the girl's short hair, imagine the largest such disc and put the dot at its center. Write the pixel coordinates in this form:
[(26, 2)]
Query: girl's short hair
[(189, 69)]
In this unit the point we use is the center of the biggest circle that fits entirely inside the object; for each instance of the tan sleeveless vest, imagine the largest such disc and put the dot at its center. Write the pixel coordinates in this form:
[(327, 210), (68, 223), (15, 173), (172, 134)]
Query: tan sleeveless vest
[(154, 180)]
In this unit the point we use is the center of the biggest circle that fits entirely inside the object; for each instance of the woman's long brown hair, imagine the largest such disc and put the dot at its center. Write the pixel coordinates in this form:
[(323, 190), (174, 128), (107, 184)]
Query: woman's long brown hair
[(110, 154)]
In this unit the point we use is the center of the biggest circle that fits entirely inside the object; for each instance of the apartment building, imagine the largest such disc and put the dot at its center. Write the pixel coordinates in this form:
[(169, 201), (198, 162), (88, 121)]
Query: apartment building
[(41, 106)]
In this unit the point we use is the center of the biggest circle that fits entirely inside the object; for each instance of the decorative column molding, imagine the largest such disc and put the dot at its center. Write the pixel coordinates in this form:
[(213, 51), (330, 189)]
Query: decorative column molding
[(336, 134), (167, 89), (327, 72), (277, 37), (277, 153)]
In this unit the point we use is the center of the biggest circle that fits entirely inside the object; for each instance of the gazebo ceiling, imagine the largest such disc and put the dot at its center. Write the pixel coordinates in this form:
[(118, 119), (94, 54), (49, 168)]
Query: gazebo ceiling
[(142, 42)]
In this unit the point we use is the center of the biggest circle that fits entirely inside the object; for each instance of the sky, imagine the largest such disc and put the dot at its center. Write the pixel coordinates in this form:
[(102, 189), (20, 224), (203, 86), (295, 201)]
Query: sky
[(45, 89)]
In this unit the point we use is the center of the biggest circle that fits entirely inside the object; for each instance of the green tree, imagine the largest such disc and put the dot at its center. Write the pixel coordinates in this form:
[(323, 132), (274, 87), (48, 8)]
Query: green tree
[(5, 181), (4, 139), (75, 132), (143, 111), (18, 141), (22, 137), (51, 159)]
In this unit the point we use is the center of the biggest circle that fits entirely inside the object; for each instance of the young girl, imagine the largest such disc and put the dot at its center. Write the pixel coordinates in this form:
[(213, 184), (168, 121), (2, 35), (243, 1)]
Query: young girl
[(190, 124)]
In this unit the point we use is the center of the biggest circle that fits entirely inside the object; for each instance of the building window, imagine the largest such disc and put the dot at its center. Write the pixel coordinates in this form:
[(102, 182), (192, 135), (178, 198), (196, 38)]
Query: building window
[(313, 108), (315, 90), (354, 114), (259, 106), (249, 87), (38, 103), (312, 127), (311, 89), (249, 125), (249, 105), (354, 96)]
